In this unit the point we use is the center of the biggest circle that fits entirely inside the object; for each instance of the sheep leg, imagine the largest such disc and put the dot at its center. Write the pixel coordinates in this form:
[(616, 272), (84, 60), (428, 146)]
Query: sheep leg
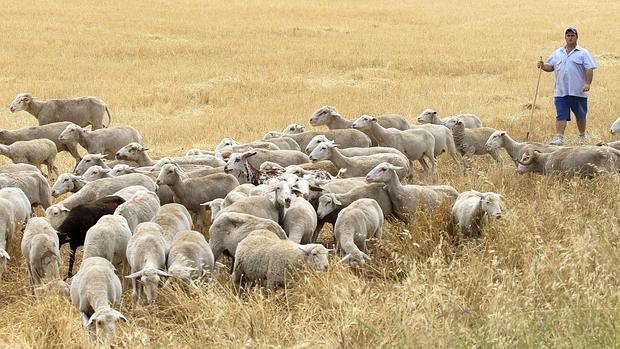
[(317, 231), (71, 261), (424, 164), (134, 292)]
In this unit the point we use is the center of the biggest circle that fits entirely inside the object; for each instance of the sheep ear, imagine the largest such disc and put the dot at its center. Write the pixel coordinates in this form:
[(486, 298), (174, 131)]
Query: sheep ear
[(4, 254), (63, 208), (98, 156), (90, 320), (305, 249), (119, 315), (248, 154), (134, 275), (316, 187), (395, 168), (208, 203), (373, 119), (336, 201), (162, 273)]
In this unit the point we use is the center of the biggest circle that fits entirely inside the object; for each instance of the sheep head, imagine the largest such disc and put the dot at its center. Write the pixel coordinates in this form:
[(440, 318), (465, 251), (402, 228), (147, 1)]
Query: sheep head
[(87, 161), (21, 102), (427, 116), (104, 321), (150, 278), (491, 204), (382, 173), (293, 129), (364, 122), (168, 175), (131, 151), (496, 140), (315, 255), (314, 142), (70, 133), (323, 151), (323, 115), (327, 204)]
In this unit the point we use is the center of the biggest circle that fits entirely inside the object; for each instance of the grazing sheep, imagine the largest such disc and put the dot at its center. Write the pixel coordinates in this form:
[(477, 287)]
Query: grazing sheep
[(615, 145), (347, 138), (172, 218), (264, 259), (106, 186), (246, 165), (471, 141), (358, 222), (104, 141), (357, 166), (472, 209), (407, 199), (12, 168), (300, 221), (190, 257), (32, 183), (515, 149), (430, 116), (229, 228), (35, 152), (82, 111), (68, 183), (584, 161), (615, 127), (416, 144), (108, 239), (95, 289), (40, 248), (49, 131), (141, 207), (146, 254), (73, 228), (284, 143), (96, 172), (191, 192), (14, 211)]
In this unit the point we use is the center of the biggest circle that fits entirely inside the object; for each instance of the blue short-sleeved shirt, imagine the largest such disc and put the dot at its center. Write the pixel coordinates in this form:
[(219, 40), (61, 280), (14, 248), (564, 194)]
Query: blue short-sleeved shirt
[(570, 71)]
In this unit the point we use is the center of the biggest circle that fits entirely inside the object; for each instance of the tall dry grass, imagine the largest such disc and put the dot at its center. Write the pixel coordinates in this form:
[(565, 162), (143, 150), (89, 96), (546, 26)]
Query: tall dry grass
[(187, 73)]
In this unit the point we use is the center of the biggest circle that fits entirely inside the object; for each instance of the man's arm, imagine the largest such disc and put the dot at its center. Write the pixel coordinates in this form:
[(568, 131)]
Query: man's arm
[(589, 76), (544, 66)]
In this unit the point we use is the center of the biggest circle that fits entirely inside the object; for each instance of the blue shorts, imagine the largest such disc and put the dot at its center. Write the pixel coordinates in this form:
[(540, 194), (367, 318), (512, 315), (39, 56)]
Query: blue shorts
[(564, 105)]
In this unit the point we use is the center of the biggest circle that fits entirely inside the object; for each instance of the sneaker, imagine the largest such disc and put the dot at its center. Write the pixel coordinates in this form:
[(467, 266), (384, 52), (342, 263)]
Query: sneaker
[(583, 139), (557, 141)]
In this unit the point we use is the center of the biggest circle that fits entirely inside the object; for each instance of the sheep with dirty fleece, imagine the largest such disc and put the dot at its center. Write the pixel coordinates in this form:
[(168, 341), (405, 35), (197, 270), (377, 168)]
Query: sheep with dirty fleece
[(82, 111), (190, 258), (472, 141), (263, 258), (36, 152), (472, 209), (358, 222), (40, 248), (583, 161), (103, 141)]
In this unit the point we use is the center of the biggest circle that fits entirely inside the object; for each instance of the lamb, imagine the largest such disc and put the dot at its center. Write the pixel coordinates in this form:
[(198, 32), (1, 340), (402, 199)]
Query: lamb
[(263, 258), (246, 164), (49, 131), (146, 253), (82, 111), (32, 183), (430, 116), (106, 186), (284, 143), (95, 289), (229, 228), (615, 127), (472, 209), (191, 192), (416, 144), (355, 151), (190, 257), (172, 218), (300, 221), (328, 116), (515, 149), (347, 138), (104, 141), (471, 141), (73, 228), (108, 239), (141, 207), (407, 199), (40, 248), (14, 210), (582, 161), (35, 152), (357, 166), (358, 222), (96, 172)]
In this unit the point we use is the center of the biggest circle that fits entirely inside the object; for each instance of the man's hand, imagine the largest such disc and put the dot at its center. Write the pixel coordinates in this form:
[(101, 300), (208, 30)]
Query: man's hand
[(541, 65), (586, 87)]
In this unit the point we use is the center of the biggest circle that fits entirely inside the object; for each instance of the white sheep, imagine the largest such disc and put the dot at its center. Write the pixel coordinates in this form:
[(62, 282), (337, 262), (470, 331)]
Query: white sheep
[(141, 207), (36, 152), (300, 221), (584, 161), (246, 165), (357, 166), (32, 183), (471, 141), (430, 116), (472, 209), (262, 257), (96, 172), (515, 150), (49, 131), (12, 168), (358, 222), (347, 138), (355, 151), (108, 239), (68, 183), (146, 254), (88, 161), (190, 257), (615, 127), (82, 111), (291, 129), (332, 203), (328, 116), (416, 144), (283, 143), (95, 289), (265, 207), (172, 218), (40, 248), (105, 141), (407, 199), (122, 169)]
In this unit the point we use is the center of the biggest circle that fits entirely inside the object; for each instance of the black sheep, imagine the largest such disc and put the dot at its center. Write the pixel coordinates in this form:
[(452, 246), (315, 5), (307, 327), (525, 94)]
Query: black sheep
[(73, 229)]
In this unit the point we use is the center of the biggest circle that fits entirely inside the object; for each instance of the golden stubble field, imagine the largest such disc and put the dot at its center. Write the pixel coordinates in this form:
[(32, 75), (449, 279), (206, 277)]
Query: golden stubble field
[(188, 73)]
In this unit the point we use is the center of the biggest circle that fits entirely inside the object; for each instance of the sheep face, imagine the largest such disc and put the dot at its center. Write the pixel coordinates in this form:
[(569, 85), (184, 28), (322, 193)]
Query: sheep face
[(96, 172), (451, 123), (121, 169), (427, 116), (87, 161), (234, 163), (70, 134), (168, 175), (272, 134), (64, 184), (615, 127), (56, 214), (321, 152), (226, 142), (495, 141), (161, 162), (327, 204), (382, 173), (364, 122), (293, 129), (131, 152), (314, 142), (315, 255), (283, 194), (355, 259), (20, 102), (302, 187), (185, 274), (490, 203), (4, 257), (323, 115), (104, 322)]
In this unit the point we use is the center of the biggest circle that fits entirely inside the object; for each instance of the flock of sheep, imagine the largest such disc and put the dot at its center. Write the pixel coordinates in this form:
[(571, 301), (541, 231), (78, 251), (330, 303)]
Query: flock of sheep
[(268, 199)]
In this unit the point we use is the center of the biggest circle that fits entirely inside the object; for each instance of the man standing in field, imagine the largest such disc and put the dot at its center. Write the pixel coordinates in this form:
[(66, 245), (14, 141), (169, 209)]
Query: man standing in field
[(574, 68)]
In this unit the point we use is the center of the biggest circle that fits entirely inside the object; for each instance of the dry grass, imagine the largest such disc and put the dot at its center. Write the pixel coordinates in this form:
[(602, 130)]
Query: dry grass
[(188, 73)]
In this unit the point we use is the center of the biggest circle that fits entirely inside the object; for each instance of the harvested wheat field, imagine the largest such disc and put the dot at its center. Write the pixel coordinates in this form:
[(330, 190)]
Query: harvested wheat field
[(188, 73)]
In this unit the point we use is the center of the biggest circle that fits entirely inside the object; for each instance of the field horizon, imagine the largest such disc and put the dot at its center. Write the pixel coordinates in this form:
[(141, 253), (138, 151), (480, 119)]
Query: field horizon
[(188, 73)]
